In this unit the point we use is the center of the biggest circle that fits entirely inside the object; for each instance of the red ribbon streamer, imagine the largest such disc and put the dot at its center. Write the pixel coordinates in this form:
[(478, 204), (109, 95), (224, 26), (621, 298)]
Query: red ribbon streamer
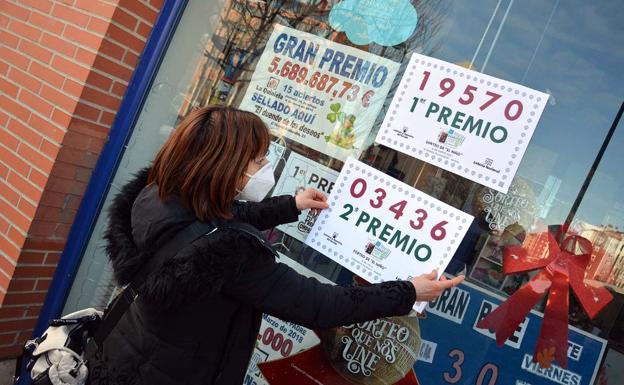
[(563, 267)]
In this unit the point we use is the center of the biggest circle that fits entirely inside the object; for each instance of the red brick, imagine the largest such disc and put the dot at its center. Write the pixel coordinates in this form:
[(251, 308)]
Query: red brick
[(70, 68), (98, 25), (25, 30), (35, 51), (4, 21), (46, 23), (8, 88), (70, 14), (87, 112), (88, 128), (15, 10), (4, 226), (25, 335), (125, 38), (4, 68), (78, 158), (53, 258), (46, 128), (15, 162), (16, 109), (125, 19), (35, 158), (107, 118), (67, 186), (57, 98), (7, 338), (131, 59), (34, 271), (42, 5), (63, 170), (84, 56), (19, 299), (156, 3), (25, 186), (25, 133), (16, 236), (32, 257), (36, 103), (119, 89), (62, 230), (82, 37), (9, 194), (141, 10), (83, 174), (61, 118), (101, 98), (48, 148), (72, 87), (43, 244), (112, 50), (38, 178), (76, 141), (43, 284), (98, 7), (12, 312), (10, 141), (60, 45), (46, 74), (110, 67), (99, 81), (144, 30), (27, 208), (25, 80), (16, 59), (9, 252), (22, 285), (9, 39), (11, 214), (33, 311), (4, 118)]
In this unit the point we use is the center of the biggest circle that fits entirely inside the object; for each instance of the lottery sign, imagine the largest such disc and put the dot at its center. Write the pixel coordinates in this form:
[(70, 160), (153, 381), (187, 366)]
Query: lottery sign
[(383, 229), (463, 121)]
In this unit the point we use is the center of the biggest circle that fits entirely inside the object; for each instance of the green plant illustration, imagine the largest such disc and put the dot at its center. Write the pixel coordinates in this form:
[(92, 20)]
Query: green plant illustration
[(343, 134)]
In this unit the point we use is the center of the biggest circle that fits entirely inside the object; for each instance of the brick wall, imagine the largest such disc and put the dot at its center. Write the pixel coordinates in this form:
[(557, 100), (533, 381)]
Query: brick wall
[(64, 67)]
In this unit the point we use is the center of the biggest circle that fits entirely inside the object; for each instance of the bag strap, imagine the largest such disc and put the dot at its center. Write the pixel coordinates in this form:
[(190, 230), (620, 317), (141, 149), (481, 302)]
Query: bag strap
[(122, 302)]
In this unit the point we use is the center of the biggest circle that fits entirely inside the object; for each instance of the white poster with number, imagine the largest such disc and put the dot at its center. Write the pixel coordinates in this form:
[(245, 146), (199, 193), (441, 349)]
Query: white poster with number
[(299, 174), (463, 121), (383, 229), (321, 94)]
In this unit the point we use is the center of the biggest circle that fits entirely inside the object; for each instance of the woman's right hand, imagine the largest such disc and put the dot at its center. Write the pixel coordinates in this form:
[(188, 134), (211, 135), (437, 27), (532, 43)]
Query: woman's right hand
[(429, 288)]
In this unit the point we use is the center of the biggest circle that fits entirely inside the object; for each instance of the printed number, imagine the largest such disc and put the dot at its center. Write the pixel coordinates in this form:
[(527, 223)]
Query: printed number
[(488, 367), (286, 69), (346, 214), (314, 79), (293, 72), (381, 194), (424, 81), (446, 85), (438, 232), (354, 92), (277, 342), (453, 379), (493, 97), (332, 82), (274, 64), (322, 82), (469, 93), (345, 86), (420, 222), (361, 182), (398, 208), (515, 116)]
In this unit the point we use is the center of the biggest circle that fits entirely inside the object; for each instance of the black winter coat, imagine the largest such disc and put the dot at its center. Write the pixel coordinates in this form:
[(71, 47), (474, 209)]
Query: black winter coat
[(197, 317)]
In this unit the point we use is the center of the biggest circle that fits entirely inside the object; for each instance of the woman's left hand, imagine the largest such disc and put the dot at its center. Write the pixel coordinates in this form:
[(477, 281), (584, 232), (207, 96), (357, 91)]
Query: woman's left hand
[(311, 199)]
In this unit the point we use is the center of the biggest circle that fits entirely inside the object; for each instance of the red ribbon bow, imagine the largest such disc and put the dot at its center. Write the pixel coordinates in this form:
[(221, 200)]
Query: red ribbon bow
[(563, 267)]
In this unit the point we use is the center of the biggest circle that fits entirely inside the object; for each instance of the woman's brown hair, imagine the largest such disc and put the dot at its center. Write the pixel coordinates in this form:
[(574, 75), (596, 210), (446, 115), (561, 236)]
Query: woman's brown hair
[(206, 156)]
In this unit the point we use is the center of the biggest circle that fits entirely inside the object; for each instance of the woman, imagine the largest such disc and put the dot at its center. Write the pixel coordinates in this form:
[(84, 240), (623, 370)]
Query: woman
[(197, 317)]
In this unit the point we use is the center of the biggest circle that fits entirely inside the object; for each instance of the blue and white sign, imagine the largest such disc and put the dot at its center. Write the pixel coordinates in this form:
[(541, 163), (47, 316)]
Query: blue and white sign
[(455, 351)]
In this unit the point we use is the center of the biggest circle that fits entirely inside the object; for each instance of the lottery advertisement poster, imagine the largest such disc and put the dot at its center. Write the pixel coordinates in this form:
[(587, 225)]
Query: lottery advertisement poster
[(321, 94), (383, 229), (463, 121), (299, 174)]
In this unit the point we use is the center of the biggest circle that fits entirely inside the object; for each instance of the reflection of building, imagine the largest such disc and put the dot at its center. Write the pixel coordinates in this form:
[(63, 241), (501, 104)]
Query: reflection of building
[(607, 260)]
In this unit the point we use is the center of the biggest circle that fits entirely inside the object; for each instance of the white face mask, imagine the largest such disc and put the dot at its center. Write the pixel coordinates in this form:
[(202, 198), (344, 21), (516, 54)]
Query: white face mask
[(258, 185)]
